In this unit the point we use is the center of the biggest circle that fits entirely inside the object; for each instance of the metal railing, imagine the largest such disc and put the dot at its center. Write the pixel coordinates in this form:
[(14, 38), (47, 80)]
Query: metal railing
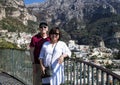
[(77, 72), (80, 72)]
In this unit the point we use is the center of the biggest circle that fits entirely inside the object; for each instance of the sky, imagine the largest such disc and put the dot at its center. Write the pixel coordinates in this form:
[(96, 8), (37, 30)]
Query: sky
[(33, 1)]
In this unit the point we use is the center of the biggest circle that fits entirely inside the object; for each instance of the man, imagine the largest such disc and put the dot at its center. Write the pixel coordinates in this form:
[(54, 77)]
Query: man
[(35, 47)]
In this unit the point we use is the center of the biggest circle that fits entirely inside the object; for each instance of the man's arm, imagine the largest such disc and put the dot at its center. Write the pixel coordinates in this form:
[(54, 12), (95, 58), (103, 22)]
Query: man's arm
[(32, 54)]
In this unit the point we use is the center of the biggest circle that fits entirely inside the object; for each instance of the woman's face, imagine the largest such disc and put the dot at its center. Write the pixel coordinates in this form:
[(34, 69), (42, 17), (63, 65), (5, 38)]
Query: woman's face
[(55, 36)]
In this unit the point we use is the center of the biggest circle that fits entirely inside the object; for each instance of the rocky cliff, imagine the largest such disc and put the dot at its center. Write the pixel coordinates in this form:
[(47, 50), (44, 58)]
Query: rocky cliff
[(65, 10), (87, 21), (15, 9)]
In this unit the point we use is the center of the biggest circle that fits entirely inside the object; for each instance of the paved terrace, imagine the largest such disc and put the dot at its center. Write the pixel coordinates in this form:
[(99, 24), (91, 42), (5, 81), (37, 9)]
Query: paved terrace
[(6, 79)]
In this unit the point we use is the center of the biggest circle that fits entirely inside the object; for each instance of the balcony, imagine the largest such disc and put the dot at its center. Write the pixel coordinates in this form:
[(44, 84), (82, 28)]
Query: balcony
[(77, 72)]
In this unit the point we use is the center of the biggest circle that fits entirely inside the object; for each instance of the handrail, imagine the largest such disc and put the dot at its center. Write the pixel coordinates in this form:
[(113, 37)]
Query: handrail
[(100, 67)]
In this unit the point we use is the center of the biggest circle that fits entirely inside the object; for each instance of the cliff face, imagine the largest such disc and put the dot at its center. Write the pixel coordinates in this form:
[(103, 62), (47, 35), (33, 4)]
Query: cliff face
[(64, 10), (84, 20), (15, 9), (2, 12)]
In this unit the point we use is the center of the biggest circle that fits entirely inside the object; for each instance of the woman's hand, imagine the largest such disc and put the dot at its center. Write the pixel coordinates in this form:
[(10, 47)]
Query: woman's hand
[(42, 67), (61, 59), (43, 70)]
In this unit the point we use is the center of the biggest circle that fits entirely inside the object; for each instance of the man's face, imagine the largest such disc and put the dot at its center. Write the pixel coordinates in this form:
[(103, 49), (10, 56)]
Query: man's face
[(43, 29)]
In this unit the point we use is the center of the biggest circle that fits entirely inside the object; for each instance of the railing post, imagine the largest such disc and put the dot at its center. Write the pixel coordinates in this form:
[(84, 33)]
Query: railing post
[(84, 71), (77, 73), (71, 73), (97, 77), (74, 72), (108, 80), (80, 73), (92, 76), (114, 81), (102, 77), (88, 77), (67, 69)]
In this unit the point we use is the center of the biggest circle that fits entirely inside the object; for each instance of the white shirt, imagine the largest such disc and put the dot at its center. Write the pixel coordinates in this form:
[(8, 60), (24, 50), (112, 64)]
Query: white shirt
[(48, 50)]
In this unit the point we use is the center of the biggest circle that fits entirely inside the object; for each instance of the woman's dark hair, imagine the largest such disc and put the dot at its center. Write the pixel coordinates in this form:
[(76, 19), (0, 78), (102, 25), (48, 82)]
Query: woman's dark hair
[(55, 30)]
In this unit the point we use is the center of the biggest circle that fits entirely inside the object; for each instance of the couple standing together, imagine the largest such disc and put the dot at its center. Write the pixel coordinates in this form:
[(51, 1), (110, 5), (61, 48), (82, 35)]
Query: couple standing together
[(47, 50)]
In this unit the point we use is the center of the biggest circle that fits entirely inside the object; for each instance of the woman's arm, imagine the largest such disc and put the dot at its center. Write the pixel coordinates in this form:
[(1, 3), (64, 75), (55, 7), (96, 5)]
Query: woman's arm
[(42, 66), (41, 57), (61, 59), (66, 53)]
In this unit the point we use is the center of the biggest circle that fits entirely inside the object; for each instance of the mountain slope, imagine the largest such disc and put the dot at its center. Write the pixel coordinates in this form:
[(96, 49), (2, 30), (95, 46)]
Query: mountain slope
[(83, 19), (14, 16)]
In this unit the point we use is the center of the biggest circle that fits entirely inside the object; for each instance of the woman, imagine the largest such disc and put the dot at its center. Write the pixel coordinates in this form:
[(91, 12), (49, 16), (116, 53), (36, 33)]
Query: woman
[(52, 54)]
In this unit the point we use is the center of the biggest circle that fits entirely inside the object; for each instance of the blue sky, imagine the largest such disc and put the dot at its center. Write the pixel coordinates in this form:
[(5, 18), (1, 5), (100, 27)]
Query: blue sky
[(32, 1)]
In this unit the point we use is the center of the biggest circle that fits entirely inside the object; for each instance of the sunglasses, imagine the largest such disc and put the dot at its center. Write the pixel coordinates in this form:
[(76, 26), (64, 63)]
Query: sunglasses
[(43, 27), (55, 33)]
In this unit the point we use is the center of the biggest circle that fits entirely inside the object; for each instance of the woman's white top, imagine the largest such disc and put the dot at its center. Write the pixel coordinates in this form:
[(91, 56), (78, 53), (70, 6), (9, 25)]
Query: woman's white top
[(48, 50)]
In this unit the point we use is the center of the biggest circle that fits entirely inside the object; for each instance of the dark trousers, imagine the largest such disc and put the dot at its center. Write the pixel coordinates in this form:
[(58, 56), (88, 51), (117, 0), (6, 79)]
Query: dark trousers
[(45, 84)]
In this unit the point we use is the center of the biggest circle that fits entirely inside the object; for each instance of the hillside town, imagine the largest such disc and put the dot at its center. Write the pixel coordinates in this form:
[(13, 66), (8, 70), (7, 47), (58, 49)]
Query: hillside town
[(99, 55)]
